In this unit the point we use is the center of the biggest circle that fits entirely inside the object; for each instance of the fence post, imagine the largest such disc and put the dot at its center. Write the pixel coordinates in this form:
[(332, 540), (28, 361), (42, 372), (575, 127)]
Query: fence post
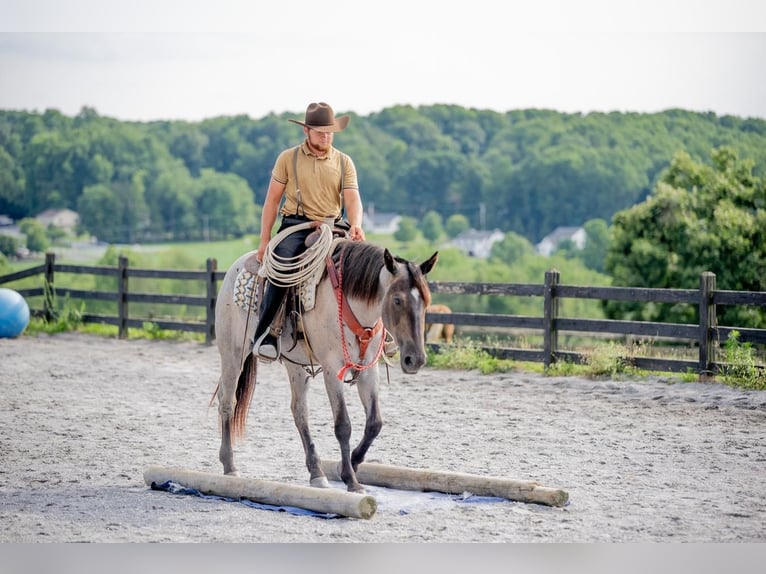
[(550, 314), (48, 299), (122, 297), (212, 267), (708, 324)]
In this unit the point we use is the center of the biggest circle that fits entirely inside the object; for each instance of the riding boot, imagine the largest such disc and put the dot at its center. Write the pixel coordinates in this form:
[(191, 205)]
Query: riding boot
[(266, 345)]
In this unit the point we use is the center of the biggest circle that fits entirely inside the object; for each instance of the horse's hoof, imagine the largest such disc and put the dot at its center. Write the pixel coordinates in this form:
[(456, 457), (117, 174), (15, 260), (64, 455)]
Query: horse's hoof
[(232, 473), (358, 489), (320, 482)]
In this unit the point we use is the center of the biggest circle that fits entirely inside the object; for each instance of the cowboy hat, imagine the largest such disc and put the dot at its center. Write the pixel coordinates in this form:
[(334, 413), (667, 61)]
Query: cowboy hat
[(321, 118)]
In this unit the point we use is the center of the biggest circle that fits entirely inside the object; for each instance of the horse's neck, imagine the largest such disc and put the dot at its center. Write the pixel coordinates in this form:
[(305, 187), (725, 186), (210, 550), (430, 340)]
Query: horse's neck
[(367, 314)]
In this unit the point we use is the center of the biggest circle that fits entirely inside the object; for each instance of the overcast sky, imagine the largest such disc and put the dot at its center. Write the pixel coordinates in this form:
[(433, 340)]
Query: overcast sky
[(189, 59)]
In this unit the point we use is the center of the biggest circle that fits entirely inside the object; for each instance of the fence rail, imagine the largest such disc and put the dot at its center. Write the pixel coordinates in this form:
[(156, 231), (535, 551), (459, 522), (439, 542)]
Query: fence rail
[(706, 335)]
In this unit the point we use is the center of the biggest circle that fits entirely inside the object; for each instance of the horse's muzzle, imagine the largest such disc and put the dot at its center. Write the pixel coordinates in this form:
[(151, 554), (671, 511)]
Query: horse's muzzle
[(411, 362)]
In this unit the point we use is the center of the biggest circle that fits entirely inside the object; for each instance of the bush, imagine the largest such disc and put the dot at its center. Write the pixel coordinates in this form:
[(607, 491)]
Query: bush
[(8, 245), (741, 369)]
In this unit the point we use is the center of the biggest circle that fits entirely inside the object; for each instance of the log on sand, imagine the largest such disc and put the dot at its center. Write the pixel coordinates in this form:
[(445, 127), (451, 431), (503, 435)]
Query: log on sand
[(451, 483), (325, 500)]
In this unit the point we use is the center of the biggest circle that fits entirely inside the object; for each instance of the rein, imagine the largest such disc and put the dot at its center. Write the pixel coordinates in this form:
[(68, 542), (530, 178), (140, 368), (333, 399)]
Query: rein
[(364, 335)]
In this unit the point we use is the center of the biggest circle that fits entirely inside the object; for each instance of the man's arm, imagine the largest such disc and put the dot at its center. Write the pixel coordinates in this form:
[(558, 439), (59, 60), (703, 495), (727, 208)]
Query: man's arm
[(269, 215), (353, 204)]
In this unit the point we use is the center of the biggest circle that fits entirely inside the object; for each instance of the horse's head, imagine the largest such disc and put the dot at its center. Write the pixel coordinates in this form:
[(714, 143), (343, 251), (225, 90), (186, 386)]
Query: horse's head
[(404, 308)]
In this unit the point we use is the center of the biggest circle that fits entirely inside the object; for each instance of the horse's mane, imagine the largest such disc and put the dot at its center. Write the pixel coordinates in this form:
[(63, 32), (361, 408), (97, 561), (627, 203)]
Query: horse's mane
[(362, 262)]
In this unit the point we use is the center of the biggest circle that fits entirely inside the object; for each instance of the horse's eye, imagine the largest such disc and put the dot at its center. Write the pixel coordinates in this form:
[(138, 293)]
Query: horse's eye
[(398, 301)]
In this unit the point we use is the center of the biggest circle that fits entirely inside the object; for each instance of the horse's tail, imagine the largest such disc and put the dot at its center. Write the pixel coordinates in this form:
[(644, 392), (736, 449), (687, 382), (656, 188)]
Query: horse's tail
[(244, 395)]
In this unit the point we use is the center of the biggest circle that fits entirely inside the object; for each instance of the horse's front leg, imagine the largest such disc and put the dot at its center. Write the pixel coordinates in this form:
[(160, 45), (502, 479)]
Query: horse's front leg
[(367, 386), (299, 384), (342, 431)]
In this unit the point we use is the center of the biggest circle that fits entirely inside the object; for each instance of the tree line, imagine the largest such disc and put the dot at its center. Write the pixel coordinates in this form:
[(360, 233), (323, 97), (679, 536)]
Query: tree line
[(525, 171)]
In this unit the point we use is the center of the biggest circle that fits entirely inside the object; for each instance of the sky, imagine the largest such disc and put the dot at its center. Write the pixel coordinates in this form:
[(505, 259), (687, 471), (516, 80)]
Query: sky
[(190, 60)]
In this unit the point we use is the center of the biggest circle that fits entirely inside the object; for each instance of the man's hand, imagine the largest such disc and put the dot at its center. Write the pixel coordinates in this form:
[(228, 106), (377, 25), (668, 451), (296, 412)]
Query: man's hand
[(261, 251), (356, 233)]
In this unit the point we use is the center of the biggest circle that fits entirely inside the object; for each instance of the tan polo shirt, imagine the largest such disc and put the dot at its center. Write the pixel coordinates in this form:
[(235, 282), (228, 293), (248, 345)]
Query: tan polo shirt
[(319, 180)]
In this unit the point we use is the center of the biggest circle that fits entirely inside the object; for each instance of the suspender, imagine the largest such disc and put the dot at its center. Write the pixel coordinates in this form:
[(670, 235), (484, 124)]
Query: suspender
[(299, 203)]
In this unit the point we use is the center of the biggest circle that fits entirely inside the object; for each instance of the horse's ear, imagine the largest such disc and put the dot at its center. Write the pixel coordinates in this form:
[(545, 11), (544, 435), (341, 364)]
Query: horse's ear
[(427, 266), (390, 262)]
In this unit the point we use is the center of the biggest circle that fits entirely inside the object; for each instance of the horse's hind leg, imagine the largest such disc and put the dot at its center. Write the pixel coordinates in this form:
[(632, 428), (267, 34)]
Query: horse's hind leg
[(234, 393), (226, 403), (299, 384), (367, 386)]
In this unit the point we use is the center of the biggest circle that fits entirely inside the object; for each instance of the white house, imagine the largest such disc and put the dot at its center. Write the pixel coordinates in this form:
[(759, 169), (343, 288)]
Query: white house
[(550, 242), (379, 222), (477, 243), (64, 218)]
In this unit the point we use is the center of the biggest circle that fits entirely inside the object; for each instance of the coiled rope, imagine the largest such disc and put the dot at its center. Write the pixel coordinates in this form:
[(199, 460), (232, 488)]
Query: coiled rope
[(289, 271)]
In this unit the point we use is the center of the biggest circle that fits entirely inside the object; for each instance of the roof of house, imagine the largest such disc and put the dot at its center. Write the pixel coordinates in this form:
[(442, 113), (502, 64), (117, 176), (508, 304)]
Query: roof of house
[(54, 212), (561, 233), (477, 235), (381, 218)]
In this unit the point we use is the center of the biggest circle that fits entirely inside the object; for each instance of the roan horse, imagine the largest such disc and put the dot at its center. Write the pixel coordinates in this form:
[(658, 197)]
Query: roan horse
[(383, 293)]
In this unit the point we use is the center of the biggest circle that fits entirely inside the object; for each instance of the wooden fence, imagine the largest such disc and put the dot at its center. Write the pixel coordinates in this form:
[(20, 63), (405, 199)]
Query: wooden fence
[(123, 296), (707, 335)]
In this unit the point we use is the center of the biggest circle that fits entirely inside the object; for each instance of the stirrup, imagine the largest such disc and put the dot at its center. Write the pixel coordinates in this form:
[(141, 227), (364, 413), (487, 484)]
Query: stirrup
[(267, 350)]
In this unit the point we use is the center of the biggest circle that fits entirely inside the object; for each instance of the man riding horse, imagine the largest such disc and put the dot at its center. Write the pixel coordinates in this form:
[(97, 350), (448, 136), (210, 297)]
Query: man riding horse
[(316, 181)]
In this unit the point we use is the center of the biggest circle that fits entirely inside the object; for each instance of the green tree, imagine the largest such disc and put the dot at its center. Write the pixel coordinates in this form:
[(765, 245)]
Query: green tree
[(171, 200), (55, 234), (699, 218), (12, 184), (596, 244), (431, 226), (407, 230), (456, 224), (568, 249), (37, 240), (511, 249), (8, 245), (225, 205), (101, 213)]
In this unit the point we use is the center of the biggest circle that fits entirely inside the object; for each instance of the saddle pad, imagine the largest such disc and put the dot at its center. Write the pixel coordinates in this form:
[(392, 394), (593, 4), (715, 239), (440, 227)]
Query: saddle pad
[(245, 294), (308, 289), (244, 291)]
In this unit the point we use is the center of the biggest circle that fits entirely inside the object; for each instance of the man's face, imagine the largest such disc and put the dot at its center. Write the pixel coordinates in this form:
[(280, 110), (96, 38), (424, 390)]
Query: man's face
[(319, 141)]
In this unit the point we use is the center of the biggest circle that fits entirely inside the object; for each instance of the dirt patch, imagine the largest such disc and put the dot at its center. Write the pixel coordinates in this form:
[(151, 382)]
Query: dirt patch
[(81, 417)]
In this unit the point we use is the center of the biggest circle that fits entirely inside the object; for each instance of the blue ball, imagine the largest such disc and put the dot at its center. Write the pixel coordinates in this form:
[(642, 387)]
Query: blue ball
[(14, 313)]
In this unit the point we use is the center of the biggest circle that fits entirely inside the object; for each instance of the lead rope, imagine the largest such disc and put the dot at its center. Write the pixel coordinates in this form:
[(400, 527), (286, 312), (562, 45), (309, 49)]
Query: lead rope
[(349, 364)]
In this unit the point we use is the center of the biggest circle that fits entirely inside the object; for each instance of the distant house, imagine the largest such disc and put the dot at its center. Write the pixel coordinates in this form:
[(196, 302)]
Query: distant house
[(379, 222), (5, 221), (63, 218), (550, 242), (477, 243)]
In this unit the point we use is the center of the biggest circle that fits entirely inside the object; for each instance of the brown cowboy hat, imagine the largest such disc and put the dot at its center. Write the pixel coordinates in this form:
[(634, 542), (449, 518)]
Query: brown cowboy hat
[(321, 118)]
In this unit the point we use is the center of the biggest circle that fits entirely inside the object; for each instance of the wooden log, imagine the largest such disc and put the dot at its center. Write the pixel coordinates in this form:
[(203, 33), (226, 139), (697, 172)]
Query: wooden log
[(451, 483), (325, 500)]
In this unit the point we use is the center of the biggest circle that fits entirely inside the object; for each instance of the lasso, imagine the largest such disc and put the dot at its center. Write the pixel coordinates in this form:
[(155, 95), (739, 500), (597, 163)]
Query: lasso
[(289, 271)]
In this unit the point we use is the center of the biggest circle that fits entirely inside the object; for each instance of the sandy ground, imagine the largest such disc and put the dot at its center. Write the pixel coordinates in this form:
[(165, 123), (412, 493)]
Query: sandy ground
[(81, 417)]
